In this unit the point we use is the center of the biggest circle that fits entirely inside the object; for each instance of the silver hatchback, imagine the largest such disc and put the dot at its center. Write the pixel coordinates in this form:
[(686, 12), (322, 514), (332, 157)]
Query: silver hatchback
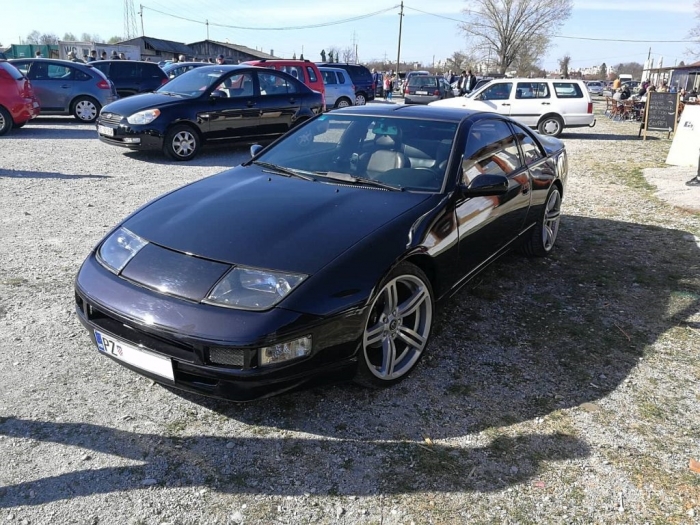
[(340, 91), (64, 87)]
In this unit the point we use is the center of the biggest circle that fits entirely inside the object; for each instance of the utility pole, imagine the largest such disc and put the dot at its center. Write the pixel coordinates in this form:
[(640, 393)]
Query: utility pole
[(141, 14), (207, 29), (398, 53)]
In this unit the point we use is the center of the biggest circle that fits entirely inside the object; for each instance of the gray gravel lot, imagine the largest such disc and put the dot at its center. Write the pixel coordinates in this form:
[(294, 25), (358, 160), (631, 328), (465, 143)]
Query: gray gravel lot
[(555, 391)]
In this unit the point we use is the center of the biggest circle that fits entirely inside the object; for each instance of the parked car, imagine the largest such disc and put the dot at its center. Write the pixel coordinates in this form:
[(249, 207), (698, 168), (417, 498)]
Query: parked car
[(209, 104), (408, 77), (328, 249), (549, 105), (132, 76), (18, 103), (303, 70), (67, 88), (361, 78), (422, 89), (595, 87), (175, 69), (340, 91)]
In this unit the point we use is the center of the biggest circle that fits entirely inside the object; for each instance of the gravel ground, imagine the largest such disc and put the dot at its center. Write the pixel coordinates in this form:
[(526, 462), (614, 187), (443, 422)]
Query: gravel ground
[(554, 391)]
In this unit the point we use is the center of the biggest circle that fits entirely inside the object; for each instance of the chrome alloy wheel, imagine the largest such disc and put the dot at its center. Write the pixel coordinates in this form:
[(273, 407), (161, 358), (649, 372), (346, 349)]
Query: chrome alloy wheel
[(550, 223), (184, 143), (398, 327)]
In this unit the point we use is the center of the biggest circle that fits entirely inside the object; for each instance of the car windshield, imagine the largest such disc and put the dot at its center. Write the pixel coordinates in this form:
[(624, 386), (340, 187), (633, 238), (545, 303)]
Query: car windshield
[(192, 83), (403, 153)]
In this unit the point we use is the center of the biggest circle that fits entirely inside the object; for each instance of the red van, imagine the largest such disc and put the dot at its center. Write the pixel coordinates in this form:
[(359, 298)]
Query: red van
[(18, 104), (304, 70)]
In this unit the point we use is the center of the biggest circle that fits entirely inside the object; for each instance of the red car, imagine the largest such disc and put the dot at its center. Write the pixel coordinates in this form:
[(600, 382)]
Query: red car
[(18, 104), (303, 70)]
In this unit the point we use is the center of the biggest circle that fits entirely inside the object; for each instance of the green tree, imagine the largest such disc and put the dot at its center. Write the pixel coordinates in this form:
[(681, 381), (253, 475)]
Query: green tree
[(504, 28)]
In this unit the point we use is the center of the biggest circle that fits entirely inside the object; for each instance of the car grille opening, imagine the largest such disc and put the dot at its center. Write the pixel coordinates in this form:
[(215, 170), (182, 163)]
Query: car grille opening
[(110, 118), (227, 356)]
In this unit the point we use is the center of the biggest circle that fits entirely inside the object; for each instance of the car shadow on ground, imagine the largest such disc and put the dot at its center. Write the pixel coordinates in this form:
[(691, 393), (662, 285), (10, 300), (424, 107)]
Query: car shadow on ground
[(72, 132), (29, 174), (211, 155), (526, 340), (603, 136)]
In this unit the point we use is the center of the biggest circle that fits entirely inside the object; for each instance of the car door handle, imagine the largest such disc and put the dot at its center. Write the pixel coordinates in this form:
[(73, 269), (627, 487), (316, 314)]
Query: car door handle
[(65, 86), (545, 103), (504, 104), (292, 100), (250, 103)]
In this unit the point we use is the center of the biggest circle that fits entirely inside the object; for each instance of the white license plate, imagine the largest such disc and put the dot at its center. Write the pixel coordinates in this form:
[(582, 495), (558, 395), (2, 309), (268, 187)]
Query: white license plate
[(143, 359), (421, 92), (104, 130)]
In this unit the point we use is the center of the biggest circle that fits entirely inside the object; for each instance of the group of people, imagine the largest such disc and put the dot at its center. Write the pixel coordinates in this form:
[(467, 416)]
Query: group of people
[(384, 83)]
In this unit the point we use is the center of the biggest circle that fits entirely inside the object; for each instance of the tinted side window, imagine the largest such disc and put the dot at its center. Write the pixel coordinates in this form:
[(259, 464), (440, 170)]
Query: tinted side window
[(44, 71), (531, 90), (296, 71), (23, 67), (341, 78), (81, 75), (312, 74), (328, 77), (491, 148), (500, 91), (124, 70), (104, 67), (273, 84), (567, 90), (531, 150)]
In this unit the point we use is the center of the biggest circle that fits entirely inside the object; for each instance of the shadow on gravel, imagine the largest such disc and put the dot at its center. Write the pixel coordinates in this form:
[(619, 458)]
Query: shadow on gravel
[(524, 341), (604, 136), (28, 174), (229, 155), (53, 133)]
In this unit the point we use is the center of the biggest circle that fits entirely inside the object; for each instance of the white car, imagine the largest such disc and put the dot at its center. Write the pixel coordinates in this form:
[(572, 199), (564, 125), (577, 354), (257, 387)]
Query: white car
[(549, 105)]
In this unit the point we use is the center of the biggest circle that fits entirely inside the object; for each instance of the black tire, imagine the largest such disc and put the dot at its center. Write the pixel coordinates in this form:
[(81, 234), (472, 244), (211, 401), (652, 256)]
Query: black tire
[(181, 143), (5, 121), (360, 99), (397, 328), (541, 240), (551, 125), (85, 109), (343, 102)]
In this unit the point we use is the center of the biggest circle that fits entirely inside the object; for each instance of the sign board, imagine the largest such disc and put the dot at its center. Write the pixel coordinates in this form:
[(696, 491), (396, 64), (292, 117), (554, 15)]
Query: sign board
[(661, 112), (82, 50), (685, 147)]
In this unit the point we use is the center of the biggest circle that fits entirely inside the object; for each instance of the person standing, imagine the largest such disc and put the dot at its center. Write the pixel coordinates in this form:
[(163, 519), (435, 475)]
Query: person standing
[(462, 83), (378, 82), (471, 81), (93, 56), (387, 85), (38, 55)]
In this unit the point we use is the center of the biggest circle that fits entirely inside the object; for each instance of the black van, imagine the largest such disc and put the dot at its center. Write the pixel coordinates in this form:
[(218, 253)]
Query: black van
[(132, 76), (361, 78)]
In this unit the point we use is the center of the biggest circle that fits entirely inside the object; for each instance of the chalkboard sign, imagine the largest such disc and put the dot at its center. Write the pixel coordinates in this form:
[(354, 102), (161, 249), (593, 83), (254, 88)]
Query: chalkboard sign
[(661, 112)]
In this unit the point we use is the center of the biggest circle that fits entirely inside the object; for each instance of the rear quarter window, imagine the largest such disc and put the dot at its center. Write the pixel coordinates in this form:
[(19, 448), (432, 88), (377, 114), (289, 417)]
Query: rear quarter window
[(567, 90)]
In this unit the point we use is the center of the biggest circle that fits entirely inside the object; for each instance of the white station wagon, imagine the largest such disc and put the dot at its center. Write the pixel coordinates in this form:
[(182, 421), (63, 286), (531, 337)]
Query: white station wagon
[(548, 105)]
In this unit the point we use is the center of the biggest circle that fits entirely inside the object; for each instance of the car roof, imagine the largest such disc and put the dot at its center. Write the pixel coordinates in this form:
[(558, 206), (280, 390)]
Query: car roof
[(410, 111)]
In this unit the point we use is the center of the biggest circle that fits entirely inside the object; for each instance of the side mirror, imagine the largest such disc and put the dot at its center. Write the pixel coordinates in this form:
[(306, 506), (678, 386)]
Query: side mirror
[(255, 149), (486, 185), (218, 94)]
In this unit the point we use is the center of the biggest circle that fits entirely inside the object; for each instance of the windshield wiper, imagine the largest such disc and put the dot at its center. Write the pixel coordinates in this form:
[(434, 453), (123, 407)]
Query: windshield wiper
[(344, 177), (281, 169)]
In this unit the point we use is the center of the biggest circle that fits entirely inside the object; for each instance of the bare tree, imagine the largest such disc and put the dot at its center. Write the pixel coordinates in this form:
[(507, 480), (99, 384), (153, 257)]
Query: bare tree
[(460, 61), (564, 65), (603, 72), (33, 37), (504, 27), (48, 39), (69, 37), (348, 54), (114, 39), (694, 33), (90, 37)]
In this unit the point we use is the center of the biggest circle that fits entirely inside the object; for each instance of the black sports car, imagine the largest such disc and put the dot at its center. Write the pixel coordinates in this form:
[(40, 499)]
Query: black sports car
[(206, 104), (327, 249)]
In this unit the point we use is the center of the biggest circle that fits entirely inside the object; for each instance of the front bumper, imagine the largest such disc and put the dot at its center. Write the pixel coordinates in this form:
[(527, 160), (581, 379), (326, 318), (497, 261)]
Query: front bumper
[(190, 334), (129, 136)]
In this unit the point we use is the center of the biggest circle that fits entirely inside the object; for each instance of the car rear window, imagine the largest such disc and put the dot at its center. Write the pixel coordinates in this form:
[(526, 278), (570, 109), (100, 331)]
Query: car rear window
[(422, 81), (11, 70), (567, 90)]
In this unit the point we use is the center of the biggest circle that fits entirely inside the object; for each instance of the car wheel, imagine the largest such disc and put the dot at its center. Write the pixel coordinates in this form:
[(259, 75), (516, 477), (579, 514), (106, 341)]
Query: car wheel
[(397, 327), (551, 125), (360, 99), (5, 121), (181, 143), (86, 109), (543, 236), (342, 102)]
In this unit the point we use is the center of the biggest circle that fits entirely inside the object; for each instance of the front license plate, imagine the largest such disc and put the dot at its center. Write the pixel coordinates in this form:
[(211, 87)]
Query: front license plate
[(421, 92), (143, 359), (104, 130)]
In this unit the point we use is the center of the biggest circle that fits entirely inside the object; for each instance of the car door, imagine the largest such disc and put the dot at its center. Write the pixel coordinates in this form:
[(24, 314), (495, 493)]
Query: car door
[(488, 224), (495, 97), (233, 111), (280, 99), (53, 84), (532, 100), (330, 80)]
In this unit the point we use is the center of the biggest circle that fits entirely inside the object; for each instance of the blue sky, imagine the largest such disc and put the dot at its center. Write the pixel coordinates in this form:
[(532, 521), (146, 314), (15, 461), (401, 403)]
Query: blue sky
[(425, 37)]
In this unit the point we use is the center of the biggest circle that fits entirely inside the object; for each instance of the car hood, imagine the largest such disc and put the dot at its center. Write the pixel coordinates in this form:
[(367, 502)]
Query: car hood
[(454, 102), (252, 217), (130, 105)]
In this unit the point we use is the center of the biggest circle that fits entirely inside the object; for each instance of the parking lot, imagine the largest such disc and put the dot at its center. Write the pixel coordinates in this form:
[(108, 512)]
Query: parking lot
[(561, 390)]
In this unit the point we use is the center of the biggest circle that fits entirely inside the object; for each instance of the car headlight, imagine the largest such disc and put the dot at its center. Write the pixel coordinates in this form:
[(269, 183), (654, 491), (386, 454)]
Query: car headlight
[(143, 117), (119, 248), (252, 289)]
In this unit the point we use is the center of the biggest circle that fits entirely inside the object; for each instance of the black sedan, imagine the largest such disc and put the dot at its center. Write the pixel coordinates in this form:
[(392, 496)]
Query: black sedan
[(208, 104), (327, 249)]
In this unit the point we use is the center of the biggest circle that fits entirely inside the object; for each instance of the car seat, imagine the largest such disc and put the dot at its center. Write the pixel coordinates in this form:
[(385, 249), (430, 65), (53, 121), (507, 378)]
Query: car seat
[(387, 154)]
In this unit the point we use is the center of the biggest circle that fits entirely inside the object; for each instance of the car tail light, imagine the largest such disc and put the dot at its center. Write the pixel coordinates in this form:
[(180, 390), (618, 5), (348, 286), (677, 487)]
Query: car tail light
[(103, 84), (164, 81), (436, 92), (590, 107)]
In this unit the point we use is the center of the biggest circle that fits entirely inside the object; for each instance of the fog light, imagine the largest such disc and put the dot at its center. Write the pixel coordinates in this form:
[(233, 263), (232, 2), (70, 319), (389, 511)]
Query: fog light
[(285, 351), (132, 140)]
